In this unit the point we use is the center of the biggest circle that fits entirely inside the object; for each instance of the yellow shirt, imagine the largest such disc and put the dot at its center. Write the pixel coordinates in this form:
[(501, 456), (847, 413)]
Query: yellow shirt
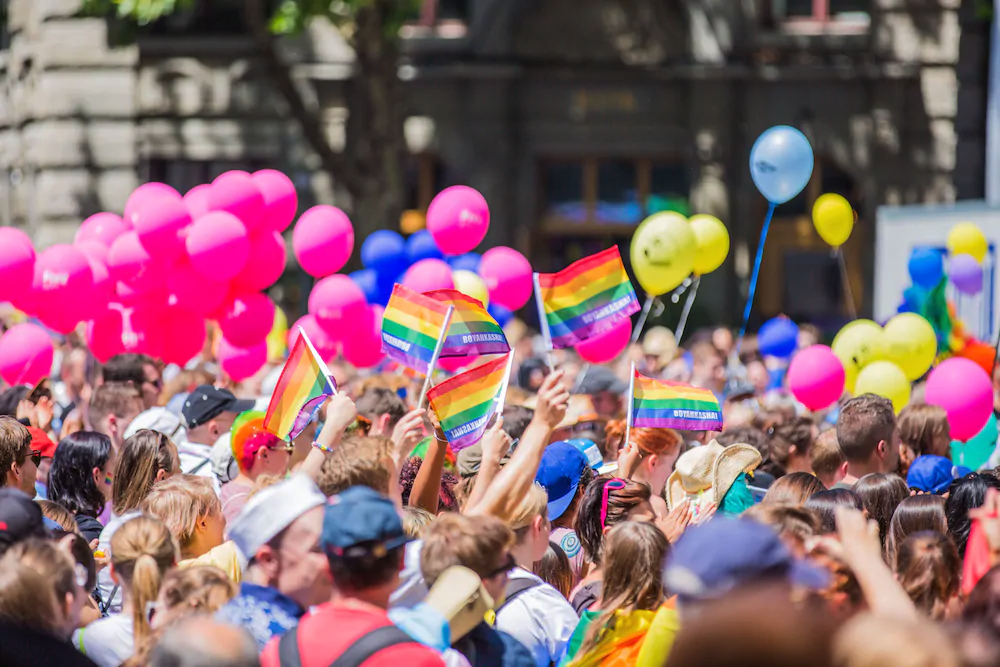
[(225, 557)]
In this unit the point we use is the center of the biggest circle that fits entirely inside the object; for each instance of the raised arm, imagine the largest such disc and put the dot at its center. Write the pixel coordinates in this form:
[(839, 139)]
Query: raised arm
[(496, 443), (519, 474), (340, 413)]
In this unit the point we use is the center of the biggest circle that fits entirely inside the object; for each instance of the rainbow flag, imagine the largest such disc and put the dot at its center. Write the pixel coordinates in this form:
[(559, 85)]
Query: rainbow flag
[(305, 383), (412, 328), (465, 403), (656, 404), (585, 299), (472, 329)]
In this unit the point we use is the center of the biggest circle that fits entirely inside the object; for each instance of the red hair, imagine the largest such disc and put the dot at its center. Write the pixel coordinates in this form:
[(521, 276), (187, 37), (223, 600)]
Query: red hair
[(657, 441)]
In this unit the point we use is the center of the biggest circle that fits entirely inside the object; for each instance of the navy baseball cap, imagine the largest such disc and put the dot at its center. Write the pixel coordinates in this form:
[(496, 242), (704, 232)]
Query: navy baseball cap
[(713, 559), (933, 474), (361, 522), (562, 465), (206, 403)]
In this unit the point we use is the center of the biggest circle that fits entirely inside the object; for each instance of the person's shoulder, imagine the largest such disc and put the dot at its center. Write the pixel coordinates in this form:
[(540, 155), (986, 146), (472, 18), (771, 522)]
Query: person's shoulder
[(409, 654), (515, 654)]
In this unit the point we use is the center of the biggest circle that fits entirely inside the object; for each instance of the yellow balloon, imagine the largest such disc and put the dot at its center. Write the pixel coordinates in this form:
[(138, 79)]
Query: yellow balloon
[(884, 378), (833, 218), (965, 238), (663, 251), (469, 284), (277, 340), (712, 242), (858, 344), (911, 344)]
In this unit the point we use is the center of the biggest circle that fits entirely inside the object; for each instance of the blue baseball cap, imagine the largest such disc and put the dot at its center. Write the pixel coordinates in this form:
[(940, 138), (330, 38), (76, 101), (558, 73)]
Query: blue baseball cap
[(590, 450), (361, 522), (713, 559), (562, 465), (933, 474)]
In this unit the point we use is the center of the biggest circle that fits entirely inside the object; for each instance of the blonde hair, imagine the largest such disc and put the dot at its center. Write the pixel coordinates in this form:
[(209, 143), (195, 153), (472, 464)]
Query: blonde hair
[(533, 504), (51, 562), (59, 514), (181, 502), (357, 462), (27, 599), (478, 543), (142, 550), (415, 521)]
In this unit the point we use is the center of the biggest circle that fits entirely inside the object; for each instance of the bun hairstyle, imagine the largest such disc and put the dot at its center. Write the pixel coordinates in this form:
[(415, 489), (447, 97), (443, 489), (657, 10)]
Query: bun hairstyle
[(657, 441), (142, 550)]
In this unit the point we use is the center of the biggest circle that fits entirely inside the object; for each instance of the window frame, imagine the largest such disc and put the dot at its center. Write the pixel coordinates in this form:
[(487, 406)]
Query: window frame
[(819, 22)]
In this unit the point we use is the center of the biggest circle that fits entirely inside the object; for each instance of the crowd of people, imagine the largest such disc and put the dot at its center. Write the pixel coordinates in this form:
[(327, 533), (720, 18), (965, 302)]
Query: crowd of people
[(147, 517)]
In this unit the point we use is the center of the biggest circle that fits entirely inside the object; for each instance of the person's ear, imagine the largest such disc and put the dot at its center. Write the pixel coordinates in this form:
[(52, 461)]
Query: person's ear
[(96, 474), (538, 523), (793, 451), (383, 424), (882, 449), (114, 573), (113, 423), (161, 475), (15, 470), (654, 460)]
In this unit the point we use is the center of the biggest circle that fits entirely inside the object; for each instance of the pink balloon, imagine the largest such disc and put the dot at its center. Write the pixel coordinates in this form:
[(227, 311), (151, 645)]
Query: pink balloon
[(507, 275), (364, 348), (458, 218), (964, 390), (102, 228), (265, 264), (141, 194), (64, 287), (26, 353), (241, 363), (218, 245), (247, 319), (816, 377), (427, 275), (143, 331), (129, 296), (131, 263), (104, 286), (184, 336), (193, 292), (281, 200), (197, 200), (17, 264), (104, 333), (94, 250), (338, 304), (323, 240), (604, 347), (236, 192), (455, 364), (159, 222), (324, 344)]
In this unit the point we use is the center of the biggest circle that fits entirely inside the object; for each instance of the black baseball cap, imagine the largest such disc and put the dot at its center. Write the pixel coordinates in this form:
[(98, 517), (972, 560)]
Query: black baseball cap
[(20, 517), (206, 403)]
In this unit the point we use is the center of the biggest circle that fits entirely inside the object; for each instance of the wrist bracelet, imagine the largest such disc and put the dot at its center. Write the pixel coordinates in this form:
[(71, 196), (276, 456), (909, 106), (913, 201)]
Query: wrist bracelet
[(321, 447)]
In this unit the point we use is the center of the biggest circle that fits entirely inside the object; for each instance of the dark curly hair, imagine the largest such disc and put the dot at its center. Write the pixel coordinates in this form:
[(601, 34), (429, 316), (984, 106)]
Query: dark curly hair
[(71, 477), (447, 501)]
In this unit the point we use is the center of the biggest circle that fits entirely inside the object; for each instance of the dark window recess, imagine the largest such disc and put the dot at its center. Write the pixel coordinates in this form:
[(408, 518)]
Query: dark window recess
[(669, 188), (206, 17), (564, 190), (813, 290)]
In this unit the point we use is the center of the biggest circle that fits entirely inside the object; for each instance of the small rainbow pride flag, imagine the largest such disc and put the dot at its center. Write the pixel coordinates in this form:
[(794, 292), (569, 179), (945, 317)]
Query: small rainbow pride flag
[(465, 403), (585, 299), (304, 384), (472, 329), (412, 328), (656, 404)]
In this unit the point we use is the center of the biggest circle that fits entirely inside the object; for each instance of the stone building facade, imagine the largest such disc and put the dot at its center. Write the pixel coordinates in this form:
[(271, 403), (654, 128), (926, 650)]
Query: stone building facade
[(574, 117)]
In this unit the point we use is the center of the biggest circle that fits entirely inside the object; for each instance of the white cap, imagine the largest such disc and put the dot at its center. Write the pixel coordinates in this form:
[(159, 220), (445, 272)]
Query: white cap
[(272, 510), (162, 421)]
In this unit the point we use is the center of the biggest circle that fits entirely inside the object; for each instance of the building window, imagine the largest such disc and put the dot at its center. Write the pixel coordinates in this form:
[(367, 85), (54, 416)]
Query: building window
[(425, 177), (820, 16), (597, 195)]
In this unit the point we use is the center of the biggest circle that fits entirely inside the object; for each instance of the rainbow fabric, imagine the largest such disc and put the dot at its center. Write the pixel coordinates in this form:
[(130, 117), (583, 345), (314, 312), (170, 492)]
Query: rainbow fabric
[(585, 299), (673, 405), (305, 383), (465, 403), (472, 329), (411, 327)]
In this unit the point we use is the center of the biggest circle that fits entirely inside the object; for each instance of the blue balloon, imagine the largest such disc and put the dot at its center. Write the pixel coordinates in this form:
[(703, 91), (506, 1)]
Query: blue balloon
[(467, 262), (781, 163), (778, 337), (384, 251), (420, 246), (500, 314), (367, 280), (926, 267)]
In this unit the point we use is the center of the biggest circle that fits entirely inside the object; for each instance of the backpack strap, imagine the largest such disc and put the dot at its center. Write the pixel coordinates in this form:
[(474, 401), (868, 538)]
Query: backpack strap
[(370, 643), (205, 462), (515, 588), (288, 649)]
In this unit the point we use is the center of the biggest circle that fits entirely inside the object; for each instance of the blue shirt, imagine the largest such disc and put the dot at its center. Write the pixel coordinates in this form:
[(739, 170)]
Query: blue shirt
[(262, 611)]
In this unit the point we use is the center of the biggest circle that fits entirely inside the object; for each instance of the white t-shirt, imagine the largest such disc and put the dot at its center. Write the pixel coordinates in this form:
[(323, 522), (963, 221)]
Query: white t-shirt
[(540, 618), (104, 583), (412, 587), (196, 459), (109, 641)]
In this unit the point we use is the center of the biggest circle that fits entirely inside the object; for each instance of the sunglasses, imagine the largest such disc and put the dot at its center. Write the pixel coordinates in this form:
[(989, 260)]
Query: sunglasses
[(362, 426), (614, 484), (509, 564), (36, 457)]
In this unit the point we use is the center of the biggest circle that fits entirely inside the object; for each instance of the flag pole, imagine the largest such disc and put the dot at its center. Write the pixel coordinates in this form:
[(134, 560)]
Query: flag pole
[(643, 316), (631, 401), (506, 382), (682, 324), (543, 323), (434, 357)]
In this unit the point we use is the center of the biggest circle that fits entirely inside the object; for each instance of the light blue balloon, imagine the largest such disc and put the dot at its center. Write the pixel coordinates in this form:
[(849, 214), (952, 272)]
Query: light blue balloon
[(781, 163), (975, 453)]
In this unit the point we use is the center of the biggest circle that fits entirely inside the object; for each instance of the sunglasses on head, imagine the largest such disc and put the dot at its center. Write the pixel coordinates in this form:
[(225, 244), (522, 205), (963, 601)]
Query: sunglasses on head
[(613, 484)]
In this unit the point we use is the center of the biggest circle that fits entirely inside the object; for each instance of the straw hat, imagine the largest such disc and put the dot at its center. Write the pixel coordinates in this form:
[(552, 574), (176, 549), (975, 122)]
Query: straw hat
[(660, 342), (705, 474)]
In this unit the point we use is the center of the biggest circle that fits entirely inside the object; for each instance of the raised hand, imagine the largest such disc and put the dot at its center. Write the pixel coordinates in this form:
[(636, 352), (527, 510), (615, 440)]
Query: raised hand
[(676, 522), (553, 400), (409, 432), (496, 443)]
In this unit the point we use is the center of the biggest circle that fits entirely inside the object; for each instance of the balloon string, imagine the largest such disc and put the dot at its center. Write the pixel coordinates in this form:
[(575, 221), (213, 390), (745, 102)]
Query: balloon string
[(846, 279), (755, 274), (682, 324)]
